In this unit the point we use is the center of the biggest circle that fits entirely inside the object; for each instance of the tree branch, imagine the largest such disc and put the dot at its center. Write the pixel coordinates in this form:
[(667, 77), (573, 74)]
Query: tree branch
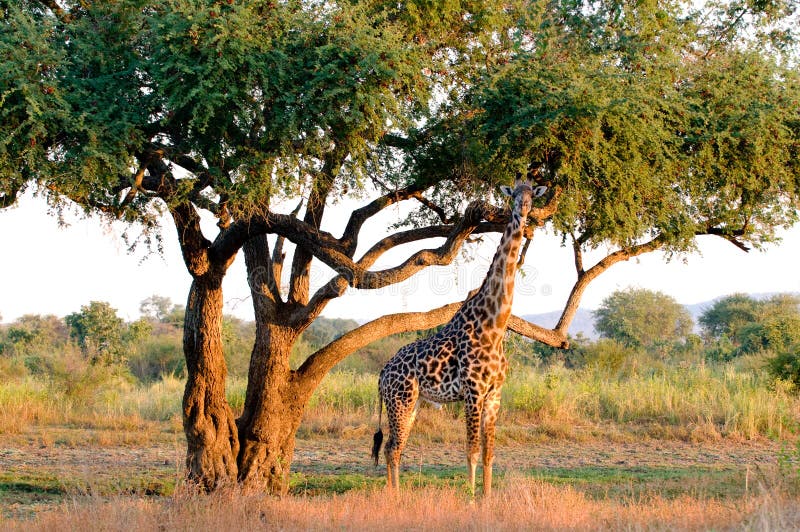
[(322, 184), (338, 284), (592, 273), (278, 256), (136, 186), (319, 363), (427, 257), (263, 287), (435, 208), (551, 337), (730, 236), (577, 252), (359, 216), (455, 235), (194, 245)]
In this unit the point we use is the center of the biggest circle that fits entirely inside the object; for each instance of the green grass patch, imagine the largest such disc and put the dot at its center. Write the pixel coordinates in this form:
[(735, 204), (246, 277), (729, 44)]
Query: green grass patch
[(329, 484), (637, 482), (22, 492), (601, 483)]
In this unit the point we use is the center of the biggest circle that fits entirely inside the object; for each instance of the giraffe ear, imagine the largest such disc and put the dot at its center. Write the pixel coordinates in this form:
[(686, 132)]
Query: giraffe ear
[(505, 189), (539, 191)]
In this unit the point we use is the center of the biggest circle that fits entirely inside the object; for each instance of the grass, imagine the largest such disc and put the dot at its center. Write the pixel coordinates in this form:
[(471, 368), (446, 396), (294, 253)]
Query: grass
[(103, 420), (698, 403), (522, 504), (703, 402)]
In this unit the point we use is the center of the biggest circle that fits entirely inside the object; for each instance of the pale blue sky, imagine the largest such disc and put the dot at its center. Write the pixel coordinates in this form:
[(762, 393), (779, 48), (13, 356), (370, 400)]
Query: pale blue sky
[(47, 269)]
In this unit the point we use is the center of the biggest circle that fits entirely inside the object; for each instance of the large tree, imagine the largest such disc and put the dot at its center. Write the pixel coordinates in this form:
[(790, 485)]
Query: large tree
[(651, 123)]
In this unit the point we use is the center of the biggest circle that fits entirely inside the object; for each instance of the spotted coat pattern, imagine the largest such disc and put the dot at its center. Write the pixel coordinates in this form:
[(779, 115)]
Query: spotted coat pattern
[(463, 361)]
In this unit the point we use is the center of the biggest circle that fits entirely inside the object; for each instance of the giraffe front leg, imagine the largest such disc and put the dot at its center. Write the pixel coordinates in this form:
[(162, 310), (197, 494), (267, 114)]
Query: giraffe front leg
[(491, 407), (472, 413)]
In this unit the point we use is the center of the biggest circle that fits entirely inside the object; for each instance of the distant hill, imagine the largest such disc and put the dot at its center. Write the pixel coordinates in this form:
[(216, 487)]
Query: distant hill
[(583, 322)]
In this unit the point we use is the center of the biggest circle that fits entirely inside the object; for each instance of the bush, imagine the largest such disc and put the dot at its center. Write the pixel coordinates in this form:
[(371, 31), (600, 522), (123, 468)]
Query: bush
[(775, 333), (610, 357), (158, 356), (786, 366)]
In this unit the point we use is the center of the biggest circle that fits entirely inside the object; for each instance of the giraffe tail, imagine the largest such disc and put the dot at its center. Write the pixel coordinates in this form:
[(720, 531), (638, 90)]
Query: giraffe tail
[(377, 439)]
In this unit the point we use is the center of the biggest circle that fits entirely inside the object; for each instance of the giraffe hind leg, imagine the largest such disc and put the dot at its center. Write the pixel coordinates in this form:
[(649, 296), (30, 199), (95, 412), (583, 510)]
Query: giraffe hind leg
[(491, 406), (401, 409), (472, 414)]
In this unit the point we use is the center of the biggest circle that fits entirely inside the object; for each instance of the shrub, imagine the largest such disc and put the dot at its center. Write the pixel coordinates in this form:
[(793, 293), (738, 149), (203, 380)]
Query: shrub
[(158, 356), (610, 357), (786, 366)]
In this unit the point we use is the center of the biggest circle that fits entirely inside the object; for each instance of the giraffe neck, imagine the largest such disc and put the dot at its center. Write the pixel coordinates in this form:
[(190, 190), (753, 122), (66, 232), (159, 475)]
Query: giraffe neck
[(491, 305)]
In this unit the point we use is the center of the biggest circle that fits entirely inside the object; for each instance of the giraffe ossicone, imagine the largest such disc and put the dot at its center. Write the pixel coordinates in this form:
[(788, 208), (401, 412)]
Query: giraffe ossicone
[(463, 361)]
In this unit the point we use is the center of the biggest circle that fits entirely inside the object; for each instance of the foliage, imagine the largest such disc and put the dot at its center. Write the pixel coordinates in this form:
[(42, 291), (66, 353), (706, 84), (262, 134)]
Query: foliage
[(739, 324), (728, 315), (642, 318), (609, 357), (324, 330), (262, 85), (237, 341), (158, 356), (98, 331), (690, 402), (646, 121)]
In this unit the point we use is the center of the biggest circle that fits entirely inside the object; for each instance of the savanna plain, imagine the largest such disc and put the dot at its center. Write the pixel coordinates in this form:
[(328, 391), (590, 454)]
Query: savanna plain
[(601, 437)]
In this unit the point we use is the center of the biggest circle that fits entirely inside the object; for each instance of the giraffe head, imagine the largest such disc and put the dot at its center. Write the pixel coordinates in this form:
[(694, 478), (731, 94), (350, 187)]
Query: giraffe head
[(523, 194)]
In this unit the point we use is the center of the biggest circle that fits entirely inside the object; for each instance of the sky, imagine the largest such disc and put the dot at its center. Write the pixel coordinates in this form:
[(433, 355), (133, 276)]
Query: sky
[(47, 269)]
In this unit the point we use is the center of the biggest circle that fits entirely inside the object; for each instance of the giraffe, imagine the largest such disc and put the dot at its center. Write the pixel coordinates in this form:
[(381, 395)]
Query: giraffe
[(463, 361)]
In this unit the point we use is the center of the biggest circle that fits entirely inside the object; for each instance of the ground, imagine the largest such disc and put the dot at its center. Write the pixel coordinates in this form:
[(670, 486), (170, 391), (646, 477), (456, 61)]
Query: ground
[(41, 469)]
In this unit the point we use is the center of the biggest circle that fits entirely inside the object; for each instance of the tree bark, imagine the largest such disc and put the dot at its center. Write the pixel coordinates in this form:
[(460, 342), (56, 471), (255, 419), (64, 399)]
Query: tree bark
[(273, 410), (211, 436)]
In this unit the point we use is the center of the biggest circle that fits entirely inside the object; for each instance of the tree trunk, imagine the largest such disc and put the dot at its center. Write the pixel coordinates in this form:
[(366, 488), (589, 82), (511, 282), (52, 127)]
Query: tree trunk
[(211, 436), (272, 412)]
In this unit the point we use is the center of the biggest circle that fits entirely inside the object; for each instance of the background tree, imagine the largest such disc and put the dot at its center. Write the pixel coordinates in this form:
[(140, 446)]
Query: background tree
[(637, 317), (98, 331), (638, 117), (157, 308), (728, 315), (740, 324), (103, 336)]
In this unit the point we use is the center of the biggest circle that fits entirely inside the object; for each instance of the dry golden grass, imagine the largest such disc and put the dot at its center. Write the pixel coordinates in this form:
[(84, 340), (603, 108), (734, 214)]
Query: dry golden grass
[(523, 505)]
